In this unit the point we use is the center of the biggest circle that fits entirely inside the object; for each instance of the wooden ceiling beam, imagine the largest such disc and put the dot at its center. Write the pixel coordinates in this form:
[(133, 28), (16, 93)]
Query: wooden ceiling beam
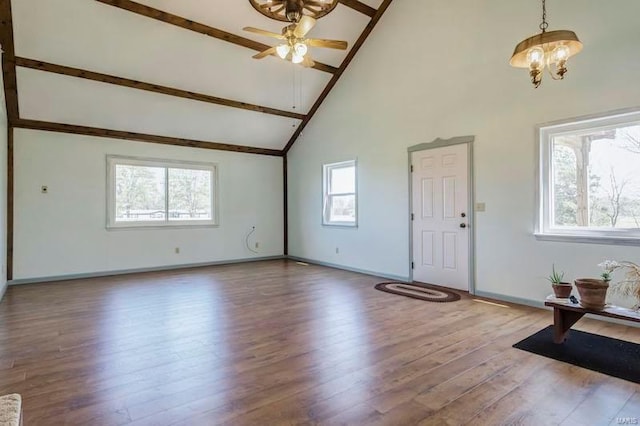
[(187, 24), (360, 7), (125, 82), (358, 44), (140, 137), (8, 61)]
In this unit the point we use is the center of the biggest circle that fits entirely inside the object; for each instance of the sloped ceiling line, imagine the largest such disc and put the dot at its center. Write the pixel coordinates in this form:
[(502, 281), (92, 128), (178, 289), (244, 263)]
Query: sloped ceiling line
[(120, 81), (8, 61), (139, 137), (181, 22), (345, 63)]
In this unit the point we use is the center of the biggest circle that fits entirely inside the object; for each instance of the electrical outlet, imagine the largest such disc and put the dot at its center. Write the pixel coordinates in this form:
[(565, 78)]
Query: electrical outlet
[(177, 250), (44, 189)]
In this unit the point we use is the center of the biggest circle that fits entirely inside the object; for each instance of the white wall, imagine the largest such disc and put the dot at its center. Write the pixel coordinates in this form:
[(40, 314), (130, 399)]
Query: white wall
[(63, 232), (440, 69)]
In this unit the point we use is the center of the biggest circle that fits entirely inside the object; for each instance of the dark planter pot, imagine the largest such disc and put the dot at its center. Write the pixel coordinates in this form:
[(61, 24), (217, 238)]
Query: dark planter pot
[(593, 293), (562, 290)]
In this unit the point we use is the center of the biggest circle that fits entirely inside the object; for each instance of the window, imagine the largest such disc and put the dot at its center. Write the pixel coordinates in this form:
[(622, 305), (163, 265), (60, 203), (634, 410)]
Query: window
[(340, 200), (145, 192), (590, 180)]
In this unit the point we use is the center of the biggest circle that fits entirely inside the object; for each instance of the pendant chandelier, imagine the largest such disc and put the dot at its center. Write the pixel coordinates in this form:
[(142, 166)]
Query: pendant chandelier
[(548, 49), (293, 10)]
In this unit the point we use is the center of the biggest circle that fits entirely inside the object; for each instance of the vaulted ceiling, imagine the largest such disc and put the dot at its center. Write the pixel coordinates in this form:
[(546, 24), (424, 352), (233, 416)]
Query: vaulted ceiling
[(170, 70)]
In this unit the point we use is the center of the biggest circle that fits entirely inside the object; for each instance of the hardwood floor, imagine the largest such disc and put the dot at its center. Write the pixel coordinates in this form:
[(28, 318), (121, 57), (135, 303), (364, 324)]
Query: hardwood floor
[(276, 342)]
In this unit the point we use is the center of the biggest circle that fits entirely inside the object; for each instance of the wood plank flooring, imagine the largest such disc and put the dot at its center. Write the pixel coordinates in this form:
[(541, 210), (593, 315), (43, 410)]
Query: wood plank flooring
[(276, 342)]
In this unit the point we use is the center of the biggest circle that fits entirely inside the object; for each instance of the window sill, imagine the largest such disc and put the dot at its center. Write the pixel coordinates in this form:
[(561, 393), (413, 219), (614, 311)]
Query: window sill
[(157, 227), (340, 225), (589, 239)]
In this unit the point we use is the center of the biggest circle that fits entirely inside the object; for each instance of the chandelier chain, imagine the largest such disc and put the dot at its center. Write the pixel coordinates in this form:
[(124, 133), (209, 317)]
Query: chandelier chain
[(544, 24)]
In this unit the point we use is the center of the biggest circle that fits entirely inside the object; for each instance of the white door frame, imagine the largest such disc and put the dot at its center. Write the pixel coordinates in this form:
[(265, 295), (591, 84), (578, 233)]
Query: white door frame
[(439, 143)]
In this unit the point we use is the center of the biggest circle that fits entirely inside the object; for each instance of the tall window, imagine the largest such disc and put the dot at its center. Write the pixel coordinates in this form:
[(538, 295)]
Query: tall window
[(160, 193), (590, 179), (340, 198)]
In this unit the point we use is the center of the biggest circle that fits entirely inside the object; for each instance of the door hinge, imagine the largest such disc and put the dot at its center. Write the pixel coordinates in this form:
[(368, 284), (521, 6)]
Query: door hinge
[(413, 266), (411, 216), (412, 168)]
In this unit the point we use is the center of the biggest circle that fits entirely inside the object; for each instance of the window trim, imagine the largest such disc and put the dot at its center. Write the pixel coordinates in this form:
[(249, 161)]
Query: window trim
[(326, 169), (544, 170), (113, 160)]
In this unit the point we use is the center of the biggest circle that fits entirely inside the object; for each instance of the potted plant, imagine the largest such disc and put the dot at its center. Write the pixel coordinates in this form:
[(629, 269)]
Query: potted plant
[(562, 290), (630, 286), (593, 292)]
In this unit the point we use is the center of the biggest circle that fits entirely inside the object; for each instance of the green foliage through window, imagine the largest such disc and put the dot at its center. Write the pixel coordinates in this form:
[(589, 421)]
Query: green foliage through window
[(158, 193)]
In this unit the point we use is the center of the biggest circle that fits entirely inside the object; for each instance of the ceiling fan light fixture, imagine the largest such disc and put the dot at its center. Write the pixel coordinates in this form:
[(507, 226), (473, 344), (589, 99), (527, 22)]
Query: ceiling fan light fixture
[(283, 50), (300, 49), (548, 49), (294, 45)]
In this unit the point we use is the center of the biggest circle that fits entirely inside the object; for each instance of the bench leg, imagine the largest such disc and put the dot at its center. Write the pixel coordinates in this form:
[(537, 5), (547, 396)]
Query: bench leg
[(563, 320)]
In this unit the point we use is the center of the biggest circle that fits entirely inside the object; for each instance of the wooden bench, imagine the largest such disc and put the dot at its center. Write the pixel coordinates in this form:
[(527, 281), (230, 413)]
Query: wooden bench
[(566, 314)]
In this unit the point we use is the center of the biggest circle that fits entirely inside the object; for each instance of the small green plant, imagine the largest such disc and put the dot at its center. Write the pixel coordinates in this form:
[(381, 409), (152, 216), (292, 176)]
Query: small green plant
[(555, 277), (608, 266)]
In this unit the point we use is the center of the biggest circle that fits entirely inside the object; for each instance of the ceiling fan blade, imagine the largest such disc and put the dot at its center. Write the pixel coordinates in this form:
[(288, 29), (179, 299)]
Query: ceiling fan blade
[(263, 32), (265, 53), (307, 62), (331, 44), (305, 24)]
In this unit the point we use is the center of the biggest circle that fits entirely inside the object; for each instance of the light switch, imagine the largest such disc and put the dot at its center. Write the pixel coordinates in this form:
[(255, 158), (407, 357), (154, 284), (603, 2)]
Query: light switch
[(480, 207)]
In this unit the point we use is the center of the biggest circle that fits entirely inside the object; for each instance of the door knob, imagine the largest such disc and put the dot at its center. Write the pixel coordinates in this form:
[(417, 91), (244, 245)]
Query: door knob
[(463, 225)]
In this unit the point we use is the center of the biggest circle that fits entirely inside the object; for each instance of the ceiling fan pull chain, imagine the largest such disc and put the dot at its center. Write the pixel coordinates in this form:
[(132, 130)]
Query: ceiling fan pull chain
[(293, 90)]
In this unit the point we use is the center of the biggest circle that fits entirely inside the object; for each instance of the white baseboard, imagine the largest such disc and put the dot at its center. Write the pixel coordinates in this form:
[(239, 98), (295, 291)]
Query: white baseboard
[(510, 299), (347, 268), (137, 270)]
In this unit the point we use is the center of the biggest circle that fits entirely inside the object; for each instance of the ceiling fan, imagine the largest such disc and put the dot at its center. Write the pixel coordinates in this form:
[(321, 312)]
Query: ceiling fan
[(295, 46)]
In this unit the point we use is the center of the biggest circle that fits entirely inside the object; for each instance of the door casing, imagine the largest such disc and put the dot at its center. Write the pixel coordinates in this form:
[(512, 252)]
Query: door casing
[(439, 143)]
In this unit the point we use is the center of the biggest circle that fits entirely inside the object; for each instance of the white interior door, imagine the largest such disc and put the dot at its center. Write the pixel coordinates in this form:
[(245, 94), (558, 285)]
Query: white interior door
[(440, 216)]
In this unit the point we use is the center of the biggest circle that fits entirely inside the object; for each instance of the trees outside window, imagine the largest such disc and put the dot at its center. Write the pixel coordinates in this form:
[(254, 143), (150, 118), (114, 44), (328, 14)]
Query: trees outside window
[(590, 178), (160, 193), (340, 194)]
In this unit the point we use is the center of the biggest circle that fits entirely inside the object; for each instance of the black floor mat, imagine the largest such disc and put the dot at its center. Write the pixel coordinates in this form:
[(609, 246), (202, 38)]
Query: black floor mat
[(609, 356)]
